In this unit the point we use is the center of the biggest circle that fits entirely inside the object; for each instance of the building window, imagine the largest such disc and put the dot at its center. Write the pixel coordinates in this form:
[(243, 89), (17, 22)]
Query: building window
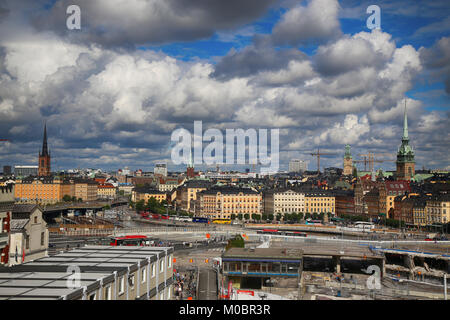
[(42, 238), (121, 285), (143, 274), (108, 293), (169, 261), (92, 296), (161, 265), (131, 281), (27, 242), (153, 270)]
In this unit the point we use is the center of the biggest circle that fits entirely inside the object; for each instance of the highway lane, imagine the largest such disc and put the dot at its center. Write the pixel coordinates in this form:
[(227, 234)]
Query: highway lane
[(207, 284)]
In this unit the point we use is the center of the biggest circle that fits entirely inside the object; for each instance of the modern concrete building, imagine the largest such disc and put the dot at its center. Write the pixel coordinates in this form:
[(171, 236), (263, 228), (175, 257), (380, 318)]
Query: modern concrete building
[(249, 268), (93, 273), (161, 169), (25, 171), (297, 165)]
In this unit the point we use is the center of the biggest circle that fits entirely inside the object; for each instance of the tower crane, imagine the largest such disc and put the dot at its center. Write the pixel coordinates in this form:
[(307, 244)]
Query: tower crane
[(318, 154), (369, 159)]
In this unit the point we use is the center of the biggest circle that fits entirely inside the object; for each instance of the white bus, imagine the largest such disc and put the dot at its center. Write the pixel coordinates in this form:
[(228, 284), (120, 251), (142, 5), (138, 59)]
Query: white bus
[(364, 225)]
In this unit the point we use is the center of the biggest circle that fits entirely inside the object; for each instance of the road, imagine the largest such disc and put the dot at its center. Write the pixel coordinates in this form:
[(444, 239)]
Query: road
[(207, 284)]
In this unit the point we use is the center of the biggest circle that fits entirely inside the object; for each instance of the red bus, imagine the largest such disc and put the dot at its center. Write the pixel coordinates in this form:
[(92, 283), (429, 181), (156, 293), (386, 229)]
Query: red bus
[(134, 240), (165, 217), (156, 216)]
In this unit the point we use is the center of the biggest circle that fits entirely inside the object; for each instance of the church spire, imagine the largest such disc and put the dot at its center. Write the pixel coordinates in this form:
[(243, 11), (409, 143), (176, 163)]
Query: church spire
[(405, 125), (44, 143)]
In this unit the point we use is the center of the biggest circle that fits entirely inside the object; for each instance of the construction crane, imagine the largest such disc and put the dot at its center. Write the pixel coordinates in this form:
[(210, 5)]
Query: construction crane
[(318, 154), (369, 159)]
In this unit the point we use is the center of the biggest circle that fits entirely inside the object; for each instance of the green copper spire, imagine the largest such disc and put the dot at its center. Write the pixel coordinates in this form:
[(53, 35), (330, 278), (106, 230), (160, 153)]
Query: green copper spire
[(405, 125), (405, 152), (347, 155)]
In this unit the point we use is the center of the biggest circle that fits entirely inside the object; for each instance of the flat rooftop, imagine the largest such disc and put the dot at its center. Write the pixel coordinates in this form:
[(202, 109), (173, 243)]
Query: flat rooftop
[(46, 278)]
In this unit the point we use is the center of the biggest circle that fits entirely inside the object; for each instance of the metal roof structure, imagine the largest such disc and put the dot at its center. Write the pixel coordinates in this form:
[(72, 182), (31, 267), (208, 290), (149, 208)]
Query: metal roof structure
[(46, 278)]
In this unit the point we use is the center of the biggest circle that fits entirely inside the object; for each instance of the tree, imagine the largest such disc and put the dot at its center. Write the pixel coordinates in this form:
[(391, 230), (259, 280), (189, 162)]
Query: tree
[(246, 216), (264, 217), (233, 216), (140, 205), (237, 242), (74, 199), (278, 216), (256, 217), (240, 216), (270, 216), (67, 198), (300, 216)]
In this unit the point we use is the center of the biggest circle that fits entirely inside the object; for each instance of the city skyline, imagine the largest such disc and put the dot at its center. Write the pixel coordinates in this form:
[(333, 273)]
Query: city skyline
[(113, 101)]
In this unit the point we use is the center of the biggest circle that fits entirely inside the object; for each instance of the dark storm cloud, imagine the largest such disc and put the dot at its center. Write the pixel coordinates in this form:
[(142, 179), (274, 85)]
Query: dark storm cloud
[(151, 21), (3, 13), (254, 59), (437, 60)]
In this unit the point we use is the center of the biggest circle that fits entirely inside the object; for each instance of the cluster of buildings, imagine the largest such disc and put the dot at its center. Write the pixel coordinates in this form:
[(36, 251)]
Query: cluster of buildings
[(23, 230), (418, 198), (92, 273)]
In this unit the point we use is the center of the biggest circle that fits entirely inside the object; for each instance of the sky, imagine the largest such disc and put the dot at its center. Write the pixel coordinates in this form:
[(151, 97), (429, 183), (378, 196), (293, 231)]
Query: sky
[(113, 92)]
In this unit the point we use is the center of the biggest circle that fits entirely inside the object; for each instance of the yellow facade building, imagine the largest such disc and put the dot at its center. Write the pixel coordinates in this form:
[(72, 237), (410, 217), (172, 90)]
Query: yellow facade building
[(319, 202), (221, 203), (41, 190), (145, 193)]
